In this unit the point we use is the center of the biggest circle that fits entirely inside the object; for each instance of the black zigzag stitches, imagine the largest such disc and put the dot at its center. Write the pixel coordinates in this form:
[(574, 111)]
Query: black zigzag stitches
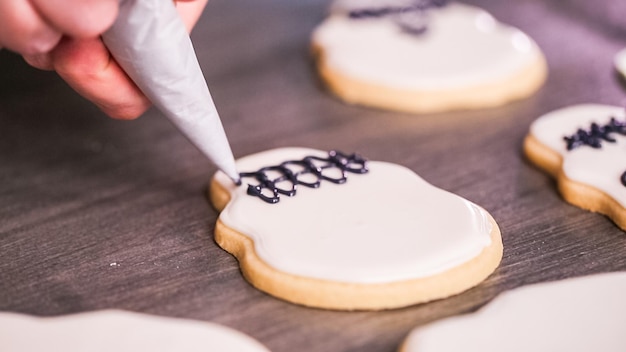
[(410, 18), (312, 168), (596, 134)]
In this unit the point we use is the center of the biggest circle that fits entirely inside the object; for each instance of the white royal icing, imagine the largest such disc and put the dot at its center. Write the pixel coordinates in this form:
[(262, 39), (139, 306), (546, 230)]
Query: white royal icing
[(620, 62), (464, 46), (383, 226), (600, 168), (119, 331), (574, 315)]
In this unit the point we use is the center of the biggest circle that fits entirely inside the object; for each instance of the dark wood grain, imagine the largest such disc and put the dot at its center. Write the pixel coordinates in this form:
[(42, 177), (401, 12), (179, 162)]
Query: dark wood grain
[(97, 213)]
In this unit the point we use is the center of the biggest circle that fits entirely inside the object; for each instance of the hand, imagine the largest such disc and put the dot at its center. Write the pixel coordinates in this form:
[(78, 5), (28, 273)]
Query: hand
[(64, 36)]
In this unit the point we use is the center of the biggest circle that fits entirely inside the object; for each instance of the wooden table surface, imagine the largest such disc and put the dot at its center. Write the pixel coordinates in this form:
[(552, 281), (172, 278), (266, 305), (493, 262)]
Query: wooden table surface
[(97, 213)]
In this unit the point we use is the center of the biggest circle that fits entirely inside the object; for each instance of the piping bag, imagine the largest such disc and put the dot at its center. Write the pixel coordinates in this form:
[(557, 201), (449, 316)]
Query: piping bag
[(150, 42)]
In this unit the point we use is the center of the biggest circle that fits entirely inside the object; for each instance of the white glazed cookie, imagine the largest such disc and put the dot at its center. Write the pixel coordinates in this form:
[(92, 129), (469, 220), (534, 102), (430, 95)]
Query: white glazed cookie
[(619, 61), (119, 331), (382, 239), (446, 57), (588, 162), (574, 315)]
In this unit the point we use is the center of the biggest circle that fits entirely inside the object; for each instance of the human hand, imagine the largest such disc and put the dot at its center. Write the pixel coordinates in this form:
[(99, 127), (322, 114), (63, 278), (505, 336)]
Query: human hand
[(64, 36)]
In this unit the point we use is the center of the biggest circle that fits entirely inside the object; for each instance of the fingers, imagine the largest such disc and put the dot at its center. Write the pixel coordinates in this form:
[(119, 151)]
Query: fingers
[(190, 11), (34, 28), (86, 65), (78, 18), (23, 30)]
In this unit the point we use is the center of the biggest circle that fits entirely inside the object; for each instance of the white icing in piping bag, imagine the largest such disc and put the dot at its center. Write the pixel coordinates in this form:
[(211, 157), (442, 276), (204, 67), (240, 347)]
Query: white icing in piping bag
[(150, 42)]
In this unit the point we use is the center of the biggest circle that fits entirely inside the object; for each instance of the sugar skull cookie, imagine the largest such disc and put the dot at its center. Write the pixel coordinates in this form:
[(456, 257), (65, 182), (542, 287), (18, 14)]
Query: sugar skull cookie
[(574, 315), (332, 230), (424, 56), (583, 147)]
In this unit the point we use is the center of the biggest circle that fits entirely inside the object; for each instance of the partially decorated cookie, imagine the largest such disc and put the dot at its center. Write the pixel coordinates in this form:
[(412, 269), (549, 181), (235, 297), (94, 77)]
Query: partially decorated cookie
[(424, 56), (574, 315), (119, 331), (583, 148), (332, 230)]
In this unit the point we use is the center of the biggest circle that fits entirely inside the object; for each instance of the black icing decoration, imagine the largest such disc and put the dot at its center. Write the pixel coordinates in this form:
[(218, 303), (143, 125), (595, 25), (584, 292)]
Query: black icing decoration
[(411, 18), (283, 179), (596, 135)]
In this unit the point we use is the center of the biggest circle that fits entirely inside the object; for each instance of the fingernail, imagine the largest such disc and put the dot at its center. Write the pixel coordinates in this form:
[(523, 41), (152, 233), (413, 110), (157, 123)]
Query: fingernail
[(42, 43)]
